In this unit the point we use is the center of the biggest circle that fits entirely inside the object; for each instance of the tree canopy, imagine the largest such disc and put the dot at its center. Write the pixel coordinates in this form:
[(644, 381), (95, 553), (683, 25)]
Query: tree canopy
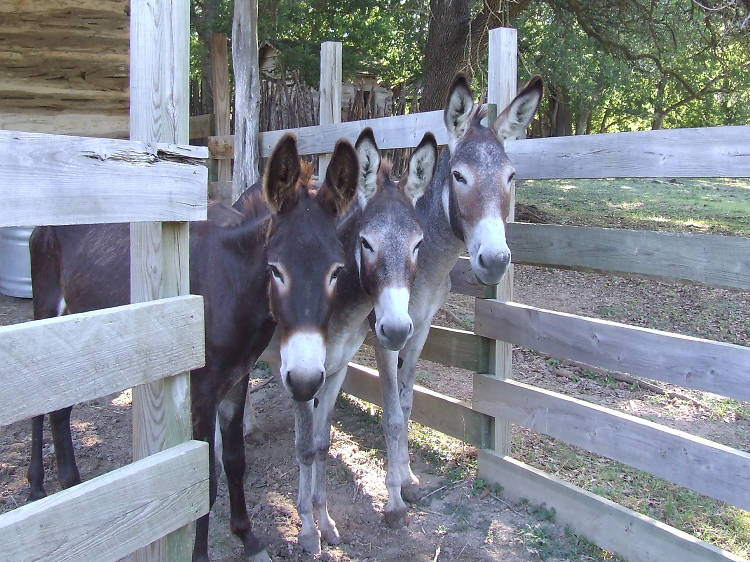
[(608, 65)]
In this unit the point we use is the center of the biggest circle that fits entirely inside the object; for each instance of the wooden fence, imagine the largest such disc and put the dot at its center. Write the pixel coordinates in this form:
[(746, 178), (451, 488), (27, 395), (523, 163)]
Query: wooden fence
[(710, 468), (53, 363)]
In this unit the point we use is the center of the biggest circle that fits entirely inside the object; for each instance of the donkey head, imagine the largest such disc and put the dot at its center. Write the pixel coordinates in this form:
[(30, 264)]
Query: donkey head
[(305, 257), (389, 234), (477, 196)]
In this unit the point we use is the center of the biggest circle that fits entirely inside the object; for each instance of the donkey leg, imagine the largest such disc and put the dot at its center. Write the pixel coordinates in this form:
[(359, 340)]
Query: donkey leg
[(406, 375), (35, 475), (322, 442), (393, 426), (204, 429), (231, 410), (67, 471), (309, 536)]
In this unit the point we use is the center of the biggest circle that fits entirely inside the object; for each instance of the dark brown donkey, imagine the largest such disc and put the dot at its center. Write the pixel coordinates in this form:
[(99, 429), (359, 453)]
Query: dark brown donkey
[(286, 228)]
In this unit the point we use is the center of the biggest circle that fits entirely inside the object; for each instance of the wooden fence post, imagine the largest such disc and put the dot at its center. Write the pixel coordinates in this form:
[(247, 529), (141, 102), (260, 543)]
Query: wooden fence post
[(159, 267), (330, 92), (501, 89), (220, 87), (246, 95)]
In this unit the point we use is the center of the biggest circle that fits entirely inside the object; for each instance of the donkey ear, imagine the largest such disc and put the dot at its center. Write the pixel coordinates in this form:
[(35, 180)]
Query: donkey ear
[(369, 164), (421, 168), (282, 173), (512, 122), (340, 184), (458, 109)]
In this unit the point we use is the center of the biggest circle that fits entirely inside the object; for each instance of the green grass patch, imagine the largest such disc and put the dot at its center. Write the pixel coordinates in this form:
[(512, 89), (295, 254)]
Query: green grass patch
[(703, 205)]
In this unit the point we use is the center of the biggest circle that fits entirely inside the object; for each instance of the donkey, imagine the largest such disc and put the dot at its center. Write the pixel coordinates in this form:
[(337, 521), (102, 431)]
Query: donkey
[(465, 207), (284, 230), (381, 237)]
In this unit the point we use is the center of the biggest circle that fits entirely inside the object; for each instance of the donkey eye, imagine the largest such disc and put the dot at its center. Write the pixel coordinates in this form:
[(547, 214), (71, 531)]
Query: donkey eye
[(415, 251), (458, 177), (366, 244), (275, 272), (511, 177), (336, 272)]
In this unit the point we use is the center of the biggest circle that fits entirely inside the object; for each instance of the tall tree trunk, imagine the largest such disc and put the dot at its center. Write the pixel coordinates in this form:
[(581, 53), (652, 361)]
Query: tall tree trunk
[(456, 42), (246, 95), (561, 117), (447, 31)]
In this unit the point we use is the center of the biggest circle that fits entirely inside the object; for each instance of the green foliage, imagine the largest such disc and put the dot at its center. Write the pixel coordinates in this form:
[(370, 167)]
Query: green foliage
[(385, 37)]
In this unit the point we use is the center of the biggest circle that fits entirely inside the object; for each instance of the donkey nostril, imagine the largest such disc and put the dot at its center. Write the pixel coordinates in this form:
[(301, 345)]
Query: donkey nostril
[(480, 259), (322, 377)]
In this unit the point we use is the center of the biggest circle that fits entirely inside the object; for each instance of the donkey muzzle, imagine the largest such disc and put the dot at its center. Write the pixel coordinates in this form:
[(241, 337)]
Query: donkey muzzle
[(393, 325), (303, 365), (489, 254)]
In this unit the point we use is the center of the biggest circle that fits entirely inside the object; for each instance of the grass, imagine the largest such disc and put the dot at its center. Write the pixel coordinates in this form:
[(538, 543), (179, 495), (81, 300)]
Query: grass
[(715, 206)]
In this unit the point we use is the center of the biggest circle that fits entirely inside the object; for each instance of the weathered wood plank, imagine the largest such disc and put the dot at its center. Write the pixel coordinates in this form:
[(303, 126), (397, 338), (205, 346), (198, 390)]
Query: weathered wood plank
[(159, 254), (438, 411), (110, 516), (329, 112), (55, 179), (52, 363), (686, 361), (246, 95), (109, 124), (704, 152), (710, 468), (221, 98), (633, 536), (501, 89), (713, 260), (451, 347)]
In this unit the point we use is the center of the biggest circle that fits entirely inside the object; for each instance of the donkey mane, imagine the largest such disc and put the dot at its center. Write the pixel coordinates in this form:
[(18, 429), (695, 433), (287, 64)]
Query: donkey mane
[(480, 113)]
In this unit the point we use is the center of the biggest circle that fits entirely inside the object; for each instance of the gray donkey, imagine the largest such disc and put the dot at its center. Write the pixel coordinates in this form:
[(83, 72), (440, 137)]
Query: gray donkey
[(465, 207), (381, 237)]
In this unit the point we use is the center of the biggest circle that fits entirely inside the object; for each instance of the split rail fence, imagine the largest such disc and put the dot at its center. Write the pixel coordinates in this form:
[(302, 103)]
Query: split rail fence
[(146, 507), (707, 467)]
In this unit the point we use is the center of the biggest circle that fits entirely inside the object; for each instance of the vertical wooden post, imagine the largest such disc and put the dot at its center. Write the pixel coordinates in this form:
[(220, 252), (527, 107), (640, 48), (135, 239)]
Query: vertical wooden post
[(246, 95), (501, 89), (220, 90), (330, 92), (159, 267)]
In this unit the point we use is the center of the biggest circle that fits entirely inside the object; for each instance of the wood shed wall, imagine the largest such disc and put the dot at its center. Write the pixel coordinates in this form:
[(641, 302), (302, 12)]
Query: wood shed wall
[(64, 66)]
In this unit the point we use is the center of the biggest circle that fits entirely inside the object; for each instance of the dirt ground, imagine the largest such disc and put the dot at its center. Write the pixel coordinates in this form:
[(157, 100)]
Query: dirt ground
[(454, 521)]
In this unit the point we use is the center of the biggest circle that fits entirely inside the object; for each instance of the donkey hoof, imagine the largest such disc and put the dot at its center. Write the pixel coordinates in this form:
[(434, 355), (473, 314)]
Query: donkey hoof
[(261, 556), (331, 535), (396, 519), (310, 542), (410, 492), (37, 494)]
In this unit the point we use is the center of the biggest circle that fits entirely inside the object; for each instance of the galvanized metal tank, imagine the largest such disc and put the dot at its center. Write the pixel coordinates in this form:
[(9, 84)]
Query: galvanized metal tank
[(15, 264)]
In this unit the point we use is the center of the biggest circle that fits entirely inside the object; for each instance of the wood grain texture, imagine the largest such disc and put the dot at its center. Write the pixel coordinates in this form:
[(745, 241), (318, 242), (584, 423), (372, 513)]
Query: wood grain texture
[(432, 409), (110, 516), (330, 92), (52, 363), (159, 254), (110, 124), (722, 261), (701, 153), (201, 126), (54, 179), (710, 468), (718, 367), (635, 537), (246, 95), (501, 89)]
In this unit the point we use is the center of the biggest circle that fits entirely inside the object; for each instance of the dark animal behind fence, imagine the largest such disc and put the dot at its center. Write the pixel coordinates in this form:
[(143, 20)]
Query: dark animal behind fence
[(80, 268)]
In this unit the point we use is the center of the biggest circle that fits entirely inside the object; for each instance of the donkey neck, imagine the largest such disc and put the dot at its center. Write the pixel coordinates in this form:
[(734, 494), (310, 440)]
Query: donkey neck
[(441, 247)]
